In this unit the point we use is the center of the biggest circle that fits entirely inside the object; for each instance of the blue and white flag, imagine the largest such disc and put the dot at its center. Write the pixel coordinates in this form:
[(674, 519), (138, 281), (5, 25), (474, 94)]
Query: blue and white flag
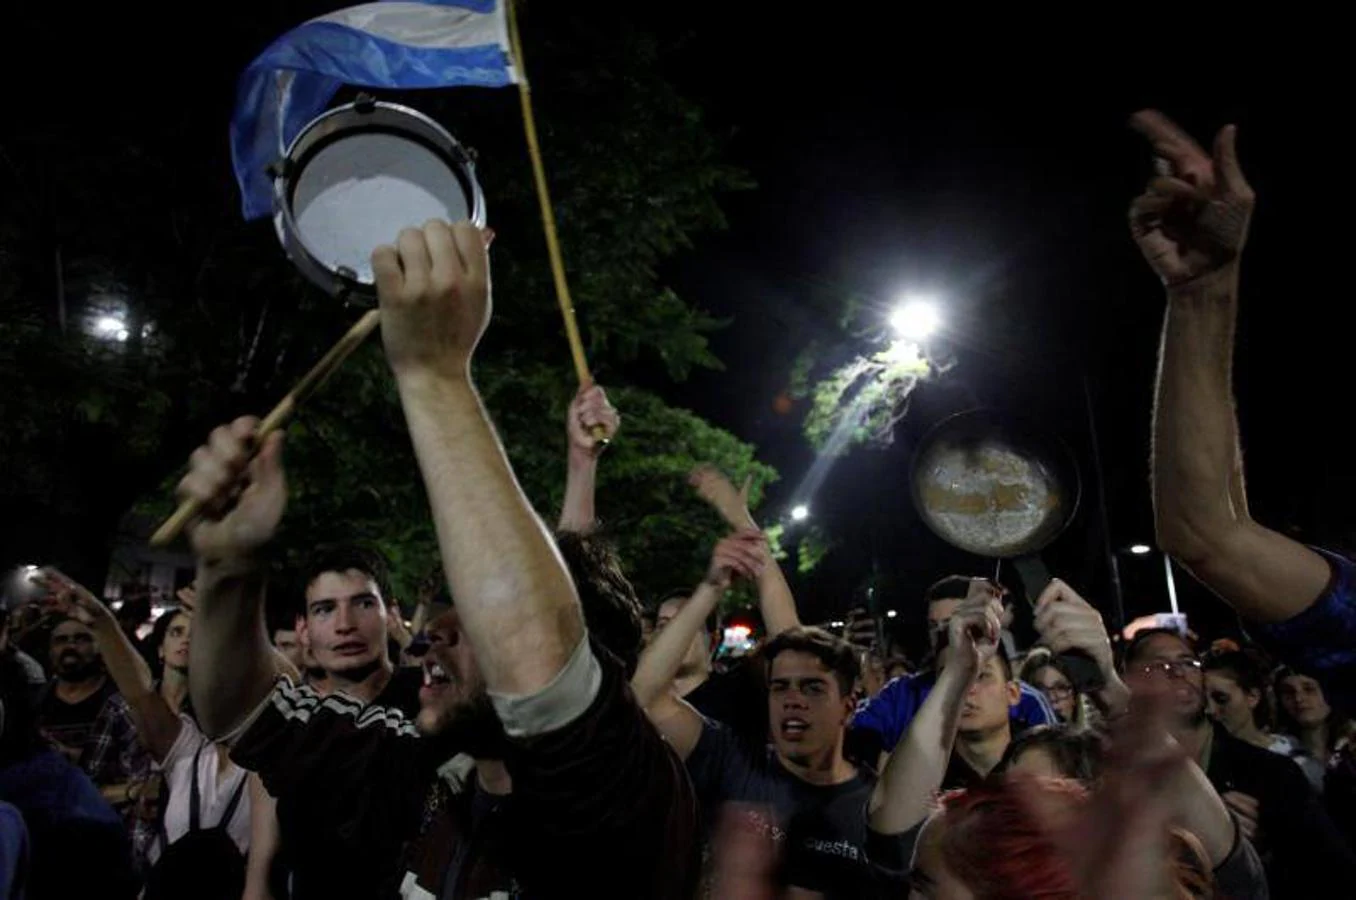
[(393, 44)]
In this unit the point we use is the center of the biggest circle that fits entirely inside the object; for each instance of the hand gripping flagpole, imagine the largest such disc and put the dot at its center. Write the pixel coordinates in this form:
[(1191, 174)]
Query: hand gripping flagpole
[(548, 218)]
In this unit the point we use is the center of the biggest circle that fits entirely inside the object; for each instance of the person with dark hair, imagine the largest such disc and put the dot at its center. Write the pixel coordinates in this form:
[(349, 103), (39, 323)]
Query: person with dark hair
[(1043, 670), (605, 593), (801, 790), (1014, 846), (205, 821), (77, 843), (1238, 696), (880, 722), (1275, 806), (1191, 224), (736, 695), (1055, 751), (573, 791)]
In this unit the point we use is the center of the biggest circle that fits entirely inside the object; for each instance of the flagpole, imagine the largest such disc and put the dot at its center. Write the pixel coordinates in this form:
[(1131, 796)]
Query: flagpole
[(548, 219)]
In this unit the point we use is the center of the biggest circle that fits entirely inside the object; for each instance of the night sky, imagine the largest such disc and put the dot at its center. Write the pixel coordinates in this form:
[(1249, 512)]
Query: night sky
[(990, 171)]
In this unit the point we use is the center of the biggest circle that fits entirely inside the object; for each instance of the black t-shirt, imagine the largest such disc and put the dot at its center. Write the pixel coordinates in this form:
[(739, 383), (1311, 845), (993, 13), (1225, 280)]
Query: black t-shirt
[(737, 698), (601, 808), (1302, 850), (819, 829), (69, 724), (350, 780)]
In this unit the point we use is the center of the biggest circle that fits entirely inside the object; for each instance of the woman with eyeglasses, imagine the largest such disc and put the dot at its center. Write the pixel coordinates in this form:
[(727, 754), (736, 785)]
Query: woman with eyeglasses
[(1047, 674)]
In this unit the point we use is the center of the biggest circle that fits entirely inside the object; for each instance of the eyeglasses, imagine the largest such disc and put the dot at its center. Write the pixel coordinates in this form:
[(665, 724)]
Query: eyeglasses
[(1172, 668), (1058, 691)]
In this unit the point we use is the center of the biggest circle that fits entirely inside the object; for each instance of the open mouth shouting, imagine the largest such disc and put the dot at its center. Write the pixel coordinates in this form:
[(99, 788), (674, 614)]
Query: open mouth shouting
[(436, 680), (793, 729)]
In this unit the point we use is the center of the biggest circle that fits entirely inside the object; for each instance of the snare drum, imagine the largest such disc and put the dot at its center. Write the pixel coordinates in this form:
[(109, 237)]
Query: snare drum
[(358, 174)]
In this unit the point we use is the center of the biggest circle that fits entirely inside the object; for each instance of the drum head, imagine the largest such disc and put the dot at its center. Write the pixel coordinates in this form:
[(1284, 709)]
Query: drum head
[(993, 488), (358, 175)]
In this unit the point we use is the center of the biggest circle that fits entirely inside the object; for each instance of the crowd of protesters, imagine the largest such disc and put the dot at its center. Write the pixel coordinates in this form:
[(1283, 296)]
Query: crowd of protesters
[(536, 730)]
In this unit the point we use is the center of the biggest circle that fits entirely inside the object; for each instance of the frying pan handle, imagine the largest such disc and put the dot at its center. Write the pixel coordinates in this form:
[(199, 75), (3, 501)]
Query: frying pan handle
[(1082, 669)]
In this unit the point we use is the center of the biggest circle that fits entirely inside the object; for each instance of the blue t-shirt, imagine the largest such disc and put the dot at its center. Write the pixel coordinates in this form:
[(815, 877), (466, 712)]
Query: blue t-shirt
[(886, 716), (1321, 641)]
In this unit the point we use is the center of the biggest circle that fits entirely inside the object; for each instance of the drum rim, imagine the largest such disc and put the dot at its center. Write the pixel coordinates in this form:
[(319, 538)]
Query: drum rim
[(331, 126)]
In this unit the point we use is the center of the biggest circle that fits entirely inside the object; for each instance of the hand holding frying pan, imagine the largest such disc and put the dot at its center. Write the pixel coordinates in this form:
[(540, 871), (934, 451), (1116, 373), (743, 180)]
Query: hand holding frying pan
[(990, 487)]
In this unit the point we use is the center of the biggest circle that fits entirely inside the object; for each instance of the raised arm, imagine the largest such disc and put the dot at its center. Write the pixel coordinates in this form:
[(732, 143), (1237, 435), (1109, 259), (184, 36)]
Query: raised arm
[(652, 682), (516, 602), (589, 409), (1191, 225), (157, 725), (231, 662), (1065, 621), (775, 600), (908, 786)]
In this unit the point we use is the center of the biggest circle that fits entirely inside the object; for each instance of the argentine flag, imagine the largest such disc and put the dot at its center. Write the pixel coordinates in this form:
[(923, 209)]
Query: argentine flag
[(393, 44)]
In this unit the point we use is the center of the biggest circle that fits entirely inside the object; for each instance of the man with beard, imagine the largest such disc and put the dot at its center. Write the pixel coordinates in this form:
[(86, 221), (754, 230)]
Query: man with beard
[(596, 792), (83, 714), (77, 693), (1301, 849)]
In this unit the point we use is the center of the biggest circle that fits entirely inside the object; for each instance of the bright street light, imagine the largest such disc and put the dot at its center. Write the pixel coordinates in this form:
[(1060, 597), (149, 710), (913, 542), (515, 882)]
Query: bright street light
[(891, 613), (1140, 549), (800, 512), (916, 319), (110, 327)]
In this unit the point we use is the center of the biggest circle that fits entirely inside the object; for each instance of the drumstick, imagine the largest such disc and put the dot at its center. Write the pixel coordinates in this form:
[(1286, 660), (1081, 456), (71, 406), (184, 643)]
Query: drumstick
[(189, 509), (548, 220)]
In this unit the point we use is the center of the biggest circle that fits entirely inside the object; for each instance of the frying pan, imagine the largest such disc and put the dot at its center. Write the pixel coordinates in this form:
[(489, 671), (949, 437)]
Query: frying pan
[(993, 486)]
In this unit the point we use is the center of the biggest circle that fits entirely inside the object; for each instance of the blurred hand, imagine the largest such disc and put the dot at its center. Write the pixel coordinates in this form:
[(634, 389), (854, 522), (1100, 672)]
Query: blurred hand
[(1117, 841), (1192, 219), (1065, 621), (243, 498), (974, 628), (395, 625), (732, 503), (589, 409), (1248, 811), (744, 857), (861, 628), (69, 598), (743, 554), (188, 597), (434, 291)]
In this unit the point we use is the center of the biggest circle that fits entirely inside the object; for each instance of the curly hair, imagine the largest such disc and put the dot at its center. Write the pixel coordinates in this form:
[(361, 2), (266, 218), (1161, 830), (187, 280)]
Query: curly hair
[(611, 609)]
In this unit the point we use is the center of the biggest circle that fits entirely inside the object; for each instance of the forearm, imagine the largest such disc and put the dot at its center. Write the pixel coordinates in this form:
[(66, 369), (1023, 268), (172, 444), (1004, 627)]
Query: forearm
[(157, 725), (231, 663), (1195, 440), (660, 662), (577, 512), (913, 774), (776, 601), (124, 664), (263, 841), (1201, 812), (514, 597), (1113, 699)]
